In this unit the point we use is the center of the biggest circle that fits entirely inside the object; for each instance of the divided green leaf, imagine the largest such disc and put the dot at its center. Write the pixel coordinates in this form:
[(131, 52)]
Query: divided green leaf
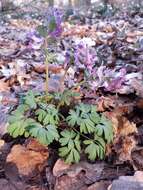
[(71, 148), (86, 128)]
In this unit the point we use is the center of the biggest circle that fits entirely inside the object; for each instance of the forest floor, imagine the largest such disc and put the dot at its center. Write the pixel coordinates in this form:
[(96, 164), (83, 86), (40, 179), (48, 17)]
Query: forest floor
[(117, 91)]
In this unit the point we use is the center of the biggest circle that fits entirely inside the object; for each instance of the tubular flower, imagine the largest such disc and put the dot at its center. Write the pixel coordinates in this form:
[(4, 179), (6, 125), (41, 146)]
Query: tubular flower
[(35, 40), (84, 58), (55, 17)]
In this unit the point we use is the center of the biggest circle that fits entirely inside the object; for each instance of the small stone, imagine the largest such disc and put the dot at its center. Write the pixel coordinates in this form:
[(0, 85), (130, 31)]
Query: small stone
[(129, 182), (139, 176)]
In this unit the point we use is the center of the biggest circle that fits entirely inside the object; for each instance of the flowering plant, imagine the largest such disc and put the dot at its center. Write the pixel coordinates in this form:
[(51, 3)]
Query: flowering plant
[(51, 29)]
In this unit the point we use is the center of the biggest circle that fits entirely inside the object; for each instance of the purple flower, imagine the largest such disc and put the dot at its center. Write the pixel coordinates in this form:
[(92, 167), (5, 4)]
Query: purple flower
[(110, 79), (35, 40), (117, 81), (84, 58), (54, 23)]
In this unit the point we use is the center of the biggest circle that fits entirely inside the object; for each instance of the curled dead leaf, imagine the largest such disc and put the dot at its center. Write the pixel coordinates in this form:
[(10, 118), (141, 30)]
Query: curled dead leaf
[(128, 144), (40, 68), (124, 141), (60, 167), (104, 103), (29, 159), (1, 143)]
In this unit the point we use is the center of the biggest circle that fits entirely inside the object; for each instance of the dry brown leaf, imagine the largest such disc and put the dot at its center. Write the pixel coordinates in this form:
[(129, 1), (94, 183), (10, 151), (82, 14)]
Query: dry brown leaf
[(52, 68), (135, 33), (137, 157), (131, 39), (1, 143), (24, 24), (104, 103), (124, 141), (108, 28), (128, 144), (102, 185), (121, 125), (32, 144), (4, 86), (138, 86), (59, 167), (139, 103), (126, 127), (28, 161)]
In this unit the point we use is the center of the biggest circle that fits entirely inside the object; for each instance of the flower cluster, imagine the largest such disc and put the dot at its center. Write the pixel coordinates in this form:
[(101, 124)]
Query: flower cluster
[(85, 58), (35, 40), (52, 28), (54, 23), (110, 79)]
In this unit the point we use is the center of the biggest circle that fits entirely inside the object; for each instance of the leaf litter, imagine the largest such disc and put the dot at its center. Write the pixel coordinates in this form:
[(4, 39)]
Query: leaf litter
[(115, 62)]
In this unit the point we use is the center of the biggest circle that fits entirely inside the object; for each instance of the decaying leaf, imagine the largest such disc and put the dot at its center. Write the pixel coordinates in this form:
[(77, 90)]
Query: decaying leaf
[(104, 103), (3, 86), (29, 160), (124, 141), (137, 157), (1, 143), (128, 145)]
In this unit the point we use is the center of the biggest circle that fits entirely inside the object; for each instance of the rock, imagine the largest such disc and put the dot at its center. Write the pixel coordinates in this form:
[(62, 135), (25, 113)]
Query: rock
[(126, 185), (139, 176), (60, 167), (27, 161), (129, 182)]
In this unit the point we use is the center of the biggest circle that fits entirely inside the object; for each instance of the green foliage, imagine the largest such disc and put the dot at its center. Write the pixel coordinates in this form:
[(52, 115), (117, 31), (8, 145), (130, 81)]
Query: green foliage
[(46, 135), (70, 143), (84, 116), (95, 148), (30, 99), (42, 30), (104, 128), (87, 131), (48, 115), (65, 98)]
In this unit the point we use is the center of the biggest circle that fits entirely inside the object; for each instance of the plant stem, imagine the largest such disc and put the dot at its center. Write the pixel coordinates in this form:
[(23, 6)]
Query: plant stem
[(47, 75), (47, 67)]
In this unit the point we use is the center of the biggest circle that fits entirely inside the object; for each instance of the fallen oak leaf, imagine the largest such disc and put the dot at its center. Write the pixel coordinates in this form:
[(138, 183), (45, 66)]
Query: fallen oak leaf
[(138, 86), (128, 145), (104, 103), (52, 68), (29, 160), (4, 86), (123, 142), (135, 33)]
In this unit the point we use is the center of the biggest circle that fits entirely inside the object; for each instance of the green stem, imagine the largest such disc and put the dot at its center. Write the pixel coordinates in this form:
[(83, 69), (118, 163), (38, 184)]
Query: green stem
[(47, 68), (47, 75)]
